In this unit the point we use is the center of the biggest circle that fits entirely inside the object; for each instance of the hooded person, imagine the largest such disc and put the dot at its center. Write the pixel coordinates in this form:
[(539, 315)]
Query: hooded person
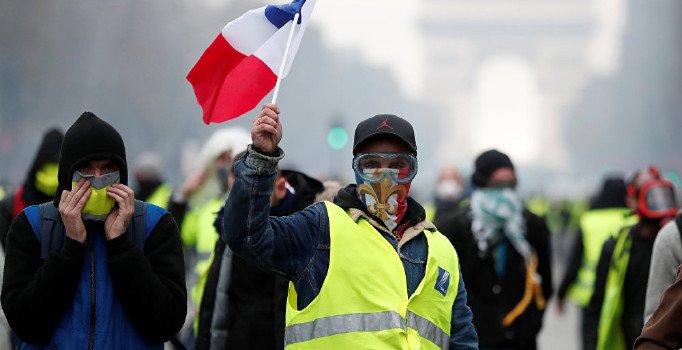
[(205, 190), (213, 161), (195, 206), (39, 185), (367, 271), (151, 186), (94, 268), (505, 254)]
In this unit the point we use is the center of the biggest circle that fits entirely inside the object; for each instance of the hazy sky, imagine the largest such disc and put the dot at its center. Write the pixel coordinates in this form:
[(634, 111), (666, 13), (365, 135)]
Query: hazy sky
[(384, 32)]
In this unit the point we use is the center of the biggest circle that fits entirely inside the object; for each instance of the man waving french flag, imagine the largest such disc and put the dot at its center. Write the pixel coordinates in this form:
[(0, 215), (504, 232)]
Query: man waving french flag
[(244, 62)]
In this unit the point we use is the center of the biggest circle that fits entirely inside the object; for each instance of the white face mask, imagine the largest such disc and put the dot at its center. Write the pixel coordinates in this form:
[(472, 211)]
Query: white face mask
[(449, 189)]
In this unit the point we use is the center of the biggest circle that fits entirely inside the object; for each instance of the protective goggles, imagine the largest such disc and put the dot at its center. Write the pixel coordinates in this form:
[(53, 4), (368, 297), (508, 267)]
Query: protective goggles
[(373, 167), (656, 199)]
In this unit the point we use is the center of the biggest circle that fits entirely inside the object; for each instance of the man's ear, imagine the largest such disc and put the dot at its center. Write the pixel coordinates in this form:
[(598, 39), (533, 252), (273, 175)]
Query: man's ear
[(280, 189)]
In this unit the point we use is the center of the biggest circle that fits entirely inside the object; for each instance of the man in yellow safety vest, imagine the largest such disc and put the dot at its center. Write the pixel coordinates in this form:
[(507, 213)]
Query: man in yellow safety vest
[(367, 271)]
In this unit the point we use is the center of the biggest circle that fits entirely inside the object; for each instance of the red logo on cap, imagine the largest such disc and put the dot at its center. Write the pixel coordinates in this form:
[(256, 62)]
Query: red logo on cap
[(384, 124)]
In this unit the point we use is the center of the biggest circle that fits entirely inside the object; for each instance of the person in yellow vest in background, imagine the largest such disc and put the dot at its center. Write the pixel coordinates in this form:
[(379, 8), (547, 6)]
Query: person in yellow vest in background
[(195, 207), (539, 205), (367, 271), (615, 314), (608, 213), (151, 187)]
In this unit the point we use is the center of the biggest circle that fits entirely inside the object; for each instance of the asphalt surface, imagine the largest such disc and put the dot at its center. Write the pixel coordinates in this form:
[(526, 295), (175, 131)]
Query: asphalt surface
[(560, 332)]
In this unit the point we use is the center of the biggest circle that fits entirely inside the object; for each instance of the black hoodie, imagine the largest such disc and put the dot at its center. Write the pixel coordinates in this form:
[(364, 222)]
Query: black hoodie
[(89, 138), (149, 282), (48, 152)]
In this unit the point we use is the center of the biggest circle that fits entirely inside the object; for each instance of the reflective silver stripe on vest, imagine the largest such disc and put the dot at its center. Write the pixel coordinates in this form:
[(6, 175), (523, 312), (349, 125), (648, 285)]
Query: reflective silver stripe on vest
[(428, 330), (339, 324), (364, 322)]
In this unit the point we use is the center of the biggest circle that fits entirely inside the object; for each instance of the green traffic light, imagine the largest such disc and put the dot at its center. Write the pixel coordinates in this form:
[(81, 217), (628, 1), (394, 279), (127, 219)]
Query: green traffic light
[(337, 138)]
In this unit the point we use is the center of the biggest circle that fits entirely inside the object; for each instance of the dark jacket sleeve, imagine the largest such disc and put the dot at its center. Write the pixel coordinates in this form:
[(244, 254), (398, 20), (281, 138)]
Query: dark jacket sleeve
[(37, 292), (177, 210), (574, 261), (593, 312), (284, 245), (209, 299), (5, 218), (462, 331), (151, 284)]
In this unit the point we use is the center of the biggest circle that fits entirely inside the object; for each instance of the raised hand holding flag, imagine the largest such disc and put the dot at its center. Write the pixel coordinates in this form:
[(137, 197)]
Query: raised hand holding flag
[(248, 58)]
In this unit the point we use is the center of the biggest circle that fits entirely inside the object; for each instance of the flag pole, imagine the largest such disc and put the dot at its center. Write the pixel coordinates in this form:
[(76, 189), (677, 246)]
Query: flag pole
[(284, 58)]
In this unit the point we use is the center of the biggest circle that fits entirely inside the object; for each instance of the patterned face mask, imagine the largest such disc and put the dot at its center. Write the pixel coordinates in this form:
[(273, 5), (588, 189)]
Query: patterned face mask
[(384, 197), (498, 212), (99, 205)]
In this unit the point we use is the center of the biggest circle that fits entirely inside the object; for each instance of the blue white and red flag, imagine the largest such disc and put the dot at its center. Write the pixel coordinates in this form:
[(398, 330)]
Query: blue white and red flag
[(240, 67)]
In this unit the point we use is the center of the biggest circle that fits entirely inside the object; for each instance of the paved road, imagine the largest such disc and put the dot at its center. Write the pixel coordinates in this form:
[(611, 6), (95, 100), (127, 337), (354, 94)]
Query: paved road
[(560, 332)]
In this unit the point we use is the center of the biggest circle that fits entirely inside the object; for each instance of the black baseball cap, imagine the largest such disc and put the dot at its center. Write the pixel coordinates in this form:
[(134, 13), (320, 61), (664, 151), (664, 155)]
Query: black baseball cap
[(387, 126)]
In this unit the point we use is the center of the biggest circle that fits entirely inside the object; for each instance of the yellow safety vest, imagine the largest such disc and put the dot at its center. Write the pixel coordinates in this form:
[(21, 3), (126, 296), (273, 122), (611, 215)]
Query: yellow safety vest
[(363, 302), (161, 196), (597, 226), (539, 206), (610, 335), (197, 232)]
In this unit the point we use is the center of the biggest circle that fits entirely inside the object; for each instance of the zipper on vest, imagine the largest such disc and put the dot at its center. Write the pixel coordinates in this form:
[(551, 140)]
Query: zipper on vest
[(397, 241), (93, 295)]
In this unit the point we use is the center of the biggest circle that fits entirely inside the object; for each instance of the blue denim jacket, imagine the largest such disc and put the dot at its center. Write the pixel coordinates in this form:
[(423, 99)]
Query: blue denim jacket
[(297, 246)]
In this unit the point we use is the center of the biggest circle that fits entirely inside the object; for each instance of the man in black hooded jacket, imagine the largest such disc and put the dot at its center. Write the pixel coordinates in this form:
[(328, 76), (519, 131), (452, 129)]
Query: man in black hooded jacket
[(107, 272)]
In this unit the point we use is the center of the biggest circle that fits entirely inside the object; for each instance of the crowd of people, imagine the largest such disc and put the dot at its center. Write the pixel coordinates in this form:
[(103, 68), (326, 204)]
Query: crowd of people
[(248, 255)]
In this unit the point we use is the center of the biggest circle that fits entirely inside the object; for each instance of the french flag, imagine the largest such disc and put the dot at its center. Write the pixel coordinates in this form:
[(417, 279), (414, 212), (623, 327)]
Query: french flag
[(240, 67)]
